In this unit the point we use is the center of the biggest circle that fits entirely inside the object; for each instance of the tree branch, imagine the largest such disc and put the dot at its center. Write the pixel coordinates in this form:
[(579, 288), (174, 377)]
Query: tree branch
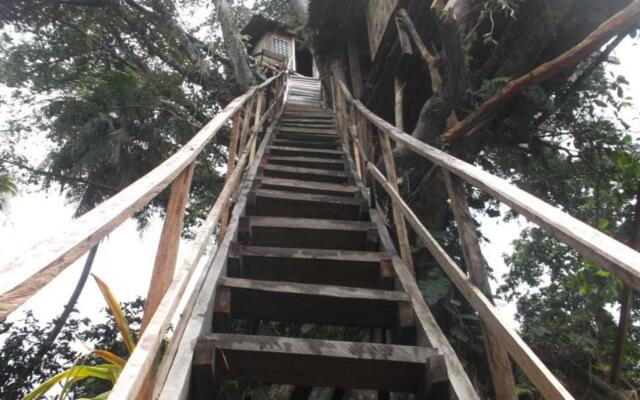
[(620, 22)]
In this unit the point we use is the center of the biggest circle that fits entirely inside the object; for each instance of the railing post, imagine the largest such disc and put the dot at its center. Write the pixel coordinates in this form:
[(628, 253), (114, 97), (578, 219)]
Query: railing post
[(169, 243), (246, 121), (256, 122), (398, 218), (498, 359), (231, 164)]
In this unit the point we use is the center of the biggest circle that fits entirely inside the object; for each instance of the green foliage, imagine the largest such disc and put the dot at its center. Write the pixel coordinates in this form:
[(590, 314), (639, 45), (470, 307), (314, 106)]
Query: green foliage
[(20, 372), (78, 372), (116, 87), (7, 189)]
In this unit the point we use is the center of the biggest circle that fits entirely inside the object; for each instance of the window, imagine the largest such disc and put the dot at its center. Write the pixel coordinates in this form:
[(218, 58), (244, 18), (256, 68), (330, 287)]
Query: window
[(280, 46)]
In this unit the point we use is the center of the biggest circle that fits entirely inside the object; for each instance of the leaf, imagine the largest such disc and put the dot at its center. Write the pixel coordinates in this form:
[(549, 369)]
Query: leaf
[(75, 374), (118, 314), (110, 357)]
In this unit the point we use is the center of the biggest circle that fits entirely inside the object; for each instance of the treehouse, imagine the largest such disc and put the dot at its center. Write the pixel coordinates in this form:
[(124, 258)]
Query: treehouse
[(308, 278), (275, 46)]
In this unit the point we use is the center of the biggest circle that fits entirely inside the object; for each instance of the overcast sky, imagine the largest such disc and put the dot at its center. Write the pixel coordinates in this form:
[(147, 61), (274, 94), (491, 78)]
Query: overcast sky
[(126, 257)]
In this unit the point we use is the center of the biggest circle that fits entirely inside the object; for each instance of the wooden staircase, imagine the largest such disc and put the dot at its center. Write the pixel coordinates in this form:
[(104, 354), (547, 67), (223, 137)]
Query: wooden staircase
[(307, 252)]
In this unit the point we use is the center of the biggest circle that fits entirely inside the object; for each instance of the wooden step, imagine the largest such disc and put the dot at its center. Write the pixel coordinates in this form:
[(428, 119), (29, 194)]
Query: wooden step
[(295, 185), (308, 130), (259, 300), (279, 203), (329, 125), (308, 162), (308, 233), (304, 152), (308, 137), (329, 120), (371, 270), (300, 142), (311, 362), (301, 173)]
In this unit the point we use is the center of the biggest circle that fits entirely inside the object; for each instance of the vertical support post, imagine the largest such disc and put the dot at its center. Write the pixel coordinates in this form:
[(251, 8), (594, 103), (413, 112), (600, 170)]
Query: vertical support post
[(399, 103), (231, 164), (354, 66), (498, 358), (356, 151), (167, 253), (256, 123), (398, 217), (246, 120), (625, 304)]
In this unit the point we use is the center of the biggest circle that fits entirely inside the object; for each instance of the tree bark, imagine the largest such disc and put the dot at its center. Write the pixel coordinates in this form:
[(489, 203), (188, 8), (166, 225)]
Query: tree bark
[(236, 51)]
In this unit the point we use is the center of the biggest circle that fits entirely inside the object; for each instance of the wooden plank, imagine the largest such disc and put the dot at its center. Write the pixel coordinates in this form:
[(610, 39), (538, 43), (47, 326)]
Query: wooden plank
[(306, 171), (231, 163), (30, 271), (168, 245), (548, 385), (260, 300), (308, 162), (312, 362), (308, 233), (610, 254), (315, 266), (379, 13), (398, 219), (257, 123), (300, 142), (498, 359), (311, 187), (308, 130), (302, 151), (280, 203), (355, 70)]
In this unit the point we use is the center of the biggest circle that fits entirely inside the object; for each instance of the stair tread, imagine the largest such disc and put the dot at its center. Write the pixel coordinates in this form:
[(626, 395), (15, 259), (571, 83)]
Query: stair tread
[(305, 170), (314, 185), (309, 223), (306, 159), (313, 254), (318, 198), (305, 149), (338, 292), (307, 130), (315, 362)]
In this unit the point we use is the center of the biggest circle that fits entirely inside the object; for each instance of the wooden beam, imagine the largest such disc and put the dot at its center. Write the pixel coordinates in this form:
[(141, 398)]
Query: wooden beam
[(504, 384), (355, 70), (256, 124), (168, 245), (619, 23), (231, 163), (324, 362), (400, 225), (615, 257), (548, 385), (399, 102), (23, 276)]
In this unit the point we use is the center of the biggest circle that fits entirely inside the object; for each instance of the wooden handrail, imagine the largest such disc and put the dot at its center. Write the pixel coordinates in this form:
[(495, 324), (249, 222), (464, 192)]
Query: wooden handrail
[(612, 255), (535, 369), (22, 277)]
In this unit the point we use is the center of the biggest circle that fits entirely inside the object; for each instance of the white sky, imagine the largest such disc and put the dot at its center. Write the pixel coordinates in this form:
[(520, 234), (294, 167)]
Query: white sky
[(126, 258)]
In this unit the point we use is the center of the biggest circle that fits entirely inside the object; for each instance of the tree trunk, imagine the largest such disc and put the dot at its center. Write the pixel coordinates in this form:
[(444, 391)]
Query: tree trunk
[(236, 52)]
